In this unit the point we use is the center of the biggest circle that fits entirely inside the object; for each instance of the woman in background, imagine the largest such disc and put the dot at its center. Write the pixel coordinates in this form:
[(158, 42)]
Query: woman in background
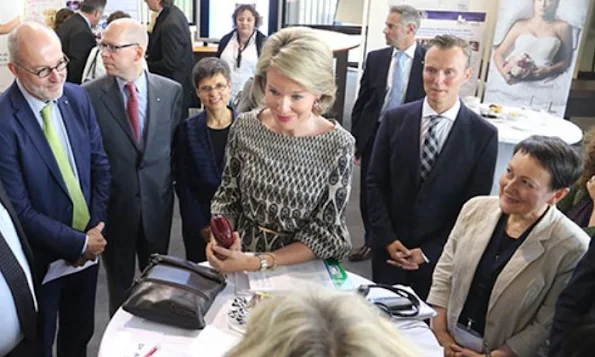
[(199, 154), (288, 169), (578, 204), (241, 47), (61, 16), (320, 323), (535, 48)]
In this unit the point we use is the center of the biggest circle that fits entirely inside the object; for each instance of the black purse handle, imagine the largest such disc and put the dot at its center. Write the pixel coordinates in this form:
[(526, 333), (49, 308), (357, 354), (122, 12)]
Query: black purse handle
[(364, 290), (206, 272)]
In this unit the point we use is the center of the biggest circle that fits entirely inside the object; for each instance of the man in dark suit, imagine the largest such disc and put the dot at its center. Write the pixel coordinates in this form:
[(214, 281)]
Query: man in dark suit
[(18, 285), (138, 113), (78, 39), (429, 158), (576, 304), (56, 174), (392, 76), (170, 48)]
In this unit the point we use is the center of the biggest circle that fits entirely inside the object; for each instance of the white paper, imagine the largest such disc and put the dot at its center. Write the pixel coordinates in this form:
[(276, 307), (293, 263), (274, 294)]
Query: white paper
[(213, 342), (60, 268), (425, 311), (299, 276)]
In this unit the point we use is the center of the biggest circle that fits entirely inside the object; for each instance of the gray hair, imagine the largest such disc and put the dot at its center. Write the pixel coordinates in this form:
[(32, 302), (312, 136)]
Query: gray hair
[(209, 67), (409, 15), (446, 42), (13, 46), (299, 54)]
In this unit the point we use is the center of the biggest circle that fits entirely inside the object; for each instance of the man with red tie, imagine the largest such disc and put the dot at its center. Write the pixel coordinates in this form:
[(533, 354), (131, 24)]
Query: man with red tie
[(138, 113)]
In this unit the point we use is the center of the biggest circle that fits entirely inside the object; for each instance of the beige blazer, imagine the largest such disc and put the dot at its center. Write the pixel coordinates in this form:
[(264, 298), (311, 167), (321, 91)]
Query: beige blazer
[(521, 306)]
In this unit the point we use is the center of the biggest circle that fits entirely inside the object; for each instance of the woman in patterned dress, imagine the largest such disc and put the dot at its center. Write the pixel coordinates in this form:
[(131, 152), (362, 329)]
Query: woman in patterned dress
[(288, 169)]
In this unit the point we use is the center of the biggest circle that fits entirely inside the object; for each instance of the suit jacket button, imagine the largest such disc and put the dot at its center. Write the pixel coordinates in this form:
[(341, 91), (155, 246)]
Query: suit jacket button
[(137, 195)]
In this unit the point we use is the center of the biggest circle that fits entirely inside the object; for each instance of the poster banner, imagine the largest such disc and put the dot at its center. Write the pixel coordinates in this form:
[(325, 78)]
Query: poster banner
[(10, 14), (469, 26), (534, 53)]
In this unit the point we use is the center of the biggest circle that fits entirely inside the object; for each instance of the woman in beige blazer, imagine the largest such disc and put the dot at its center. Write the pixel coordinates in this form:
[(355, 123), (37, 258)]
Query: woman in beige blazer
[(508, 258)]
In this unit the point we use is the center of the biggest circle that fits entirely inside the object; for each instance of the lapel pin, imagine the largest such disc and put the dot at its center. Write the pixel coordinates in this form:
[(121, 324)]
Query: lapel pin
[(158, 99)]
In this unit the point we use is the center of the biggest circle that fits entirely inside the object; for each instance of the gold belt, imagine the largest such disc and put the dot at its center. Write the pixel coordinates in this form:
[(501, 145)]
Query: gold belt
[(270, 231)]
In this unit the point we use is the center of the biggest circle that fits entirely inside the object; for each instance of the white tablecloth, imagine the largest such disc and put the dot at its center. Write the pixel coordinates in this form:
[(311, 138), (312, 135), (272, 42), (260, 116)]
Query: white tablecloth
[(127, 335), (528, 122)]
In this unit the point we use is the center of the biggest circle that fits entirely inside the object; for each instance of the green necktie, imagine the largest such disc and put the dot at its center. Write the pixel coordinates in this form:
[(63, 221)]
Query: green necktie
[(80, 211)]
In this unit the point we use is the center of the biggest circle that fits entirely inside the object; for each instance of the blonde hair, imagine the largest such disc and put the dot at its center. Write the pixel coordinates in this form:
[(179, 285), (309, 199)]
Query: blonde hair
[(323, 323), (298, 53)]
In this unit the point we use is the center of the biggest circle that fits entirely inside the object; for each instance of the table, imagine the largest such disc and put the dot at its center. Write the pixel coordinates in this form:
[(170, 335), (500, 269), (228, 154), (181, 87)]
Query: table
[(125, 330), (518, 124), (339, 43)]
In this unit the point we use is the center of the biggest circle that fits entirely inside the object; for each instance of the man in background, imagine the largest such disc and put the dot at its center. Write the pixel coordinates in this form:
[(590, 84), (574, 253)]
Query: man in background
[(392, 76), (138, 113), (57, 177), (170, 48), (78, 39)]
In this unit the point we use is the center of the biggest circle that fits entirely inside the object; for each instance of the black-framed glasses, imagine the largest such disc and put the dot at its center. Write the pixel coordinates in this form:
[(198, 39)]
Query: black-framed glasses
[(46, 71), (115, 48), (208, 89)]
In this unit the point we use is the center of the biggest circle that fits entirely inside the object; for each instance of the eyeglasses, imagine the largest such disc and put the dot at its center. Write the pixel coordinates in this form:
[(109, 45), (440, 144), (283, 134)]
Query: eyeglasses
[(208, 89), (115, 48), (46, 71)]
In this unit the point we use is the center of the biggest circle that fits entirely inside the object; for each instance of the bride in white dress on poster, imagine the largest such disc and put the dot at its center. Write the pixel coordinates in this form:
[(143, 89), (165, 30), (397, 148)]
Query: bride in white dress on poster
[(531, 64)]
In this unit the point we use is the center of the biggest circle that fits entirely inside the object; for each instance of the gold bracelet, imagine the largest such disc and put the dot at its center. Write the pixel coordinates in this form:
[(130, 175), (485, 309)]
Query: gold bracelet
[(274, 265)]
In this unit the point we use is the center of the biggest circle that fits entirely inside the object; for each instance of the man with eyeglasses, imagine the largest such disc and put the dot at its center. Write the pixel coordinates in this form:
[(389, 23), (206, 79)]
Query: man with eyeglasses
[(57, 175), (138, 113), (77, 37)]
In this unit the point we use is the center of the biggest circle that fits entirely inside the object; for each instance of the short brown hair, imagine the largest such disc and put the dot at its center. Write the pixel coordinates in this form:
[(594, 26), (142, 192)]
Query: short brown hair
[(446, 42), (241, 8)]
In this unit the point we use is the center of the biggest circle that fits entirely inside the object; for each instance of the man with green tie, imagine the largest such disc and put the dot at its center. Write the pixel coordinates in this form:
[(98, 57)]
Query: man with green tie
[(57, 175)]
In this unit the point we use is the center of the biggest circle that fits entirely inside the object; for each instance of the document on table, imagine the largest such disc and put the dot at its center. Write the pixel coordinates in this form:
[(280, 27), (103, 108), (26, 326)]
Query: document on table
[(313, 274)]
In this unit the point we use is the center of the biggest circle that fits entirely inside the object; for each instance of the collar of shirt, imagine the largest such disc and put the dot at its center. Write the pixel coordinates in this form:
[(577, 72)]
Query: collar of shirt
[(450, 114), (410, 51), (86, 19), (35, 104), (140, 83)]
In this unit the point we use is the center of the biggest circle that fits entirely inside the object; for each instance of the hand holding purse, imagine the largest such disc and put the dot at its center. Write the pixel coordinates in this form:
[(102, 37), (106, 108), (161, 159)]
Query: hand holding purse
[(175, 292)]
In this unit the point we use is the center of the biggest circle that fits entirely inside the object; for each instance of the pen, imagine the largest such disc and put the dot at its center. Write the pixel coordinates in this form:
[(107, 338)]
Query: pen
[(152, 351)]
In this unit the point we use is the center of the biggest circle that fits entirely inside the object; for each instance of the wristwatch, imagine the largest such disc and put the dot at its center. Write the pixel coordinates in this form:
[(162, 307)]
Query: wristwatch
[(264, 265)]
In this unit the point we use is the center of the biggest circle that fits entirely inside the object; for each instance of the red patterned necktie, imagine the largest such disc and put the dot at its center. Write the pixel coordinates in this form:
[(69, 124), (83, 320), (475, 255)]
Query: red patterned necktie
[(132, 109)]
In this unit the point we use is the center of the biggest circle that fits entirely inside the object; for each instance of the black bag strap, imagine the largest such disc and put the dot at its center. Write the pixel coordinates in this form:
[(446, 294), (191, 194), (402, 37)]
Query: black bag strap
[(206, 272)]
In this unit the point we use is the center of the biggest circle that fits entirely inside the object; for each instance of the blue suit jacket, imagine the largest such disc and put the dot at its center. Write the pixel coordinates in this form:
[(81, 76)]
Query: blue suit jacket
[(373, 89), (33, 180), (197, 173), (422, 215)]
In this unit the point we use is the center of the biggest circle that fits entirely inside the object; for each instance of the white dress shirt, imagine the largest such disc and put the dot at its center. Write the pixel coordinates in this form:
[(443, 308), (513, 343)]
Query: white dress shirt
[(247, 68), (10, 328), (408, 63), (447, 119)]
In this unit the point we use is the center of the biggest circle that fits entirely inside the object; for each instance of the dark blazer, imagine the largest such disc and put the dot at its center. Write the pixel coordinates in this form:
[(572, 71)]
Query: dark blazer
[(576, 303), (260, 39), (422, 215), (77, 41), (142, 183), (33, 180), (373, 89), (31, 338), (170, 51), (197, 173)]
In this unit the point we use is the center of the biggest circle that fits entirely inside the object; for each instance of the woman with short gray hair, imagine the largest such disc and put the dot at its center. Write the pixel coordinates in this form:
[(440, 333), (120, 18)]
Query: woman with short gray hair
[(200, 151)]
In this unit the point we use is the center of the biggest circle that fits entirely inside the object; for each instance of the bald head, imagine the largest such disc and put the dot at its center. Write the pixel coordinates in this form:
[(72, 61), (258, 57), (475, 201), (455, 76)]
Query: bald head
[(31, 37), (123, 48), (131, 31)]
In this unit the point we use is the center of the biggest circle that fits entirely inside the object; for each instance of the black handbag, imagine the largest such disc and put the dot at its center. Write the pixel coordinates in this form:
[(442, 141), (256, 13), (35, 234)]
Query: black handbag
[(175, 292)]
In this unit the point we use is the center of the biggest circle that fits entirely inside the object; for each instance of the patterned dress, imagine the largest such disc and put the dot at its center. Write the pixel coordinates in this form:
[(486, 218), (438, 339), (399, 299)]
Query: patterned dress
[(281, 189)]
